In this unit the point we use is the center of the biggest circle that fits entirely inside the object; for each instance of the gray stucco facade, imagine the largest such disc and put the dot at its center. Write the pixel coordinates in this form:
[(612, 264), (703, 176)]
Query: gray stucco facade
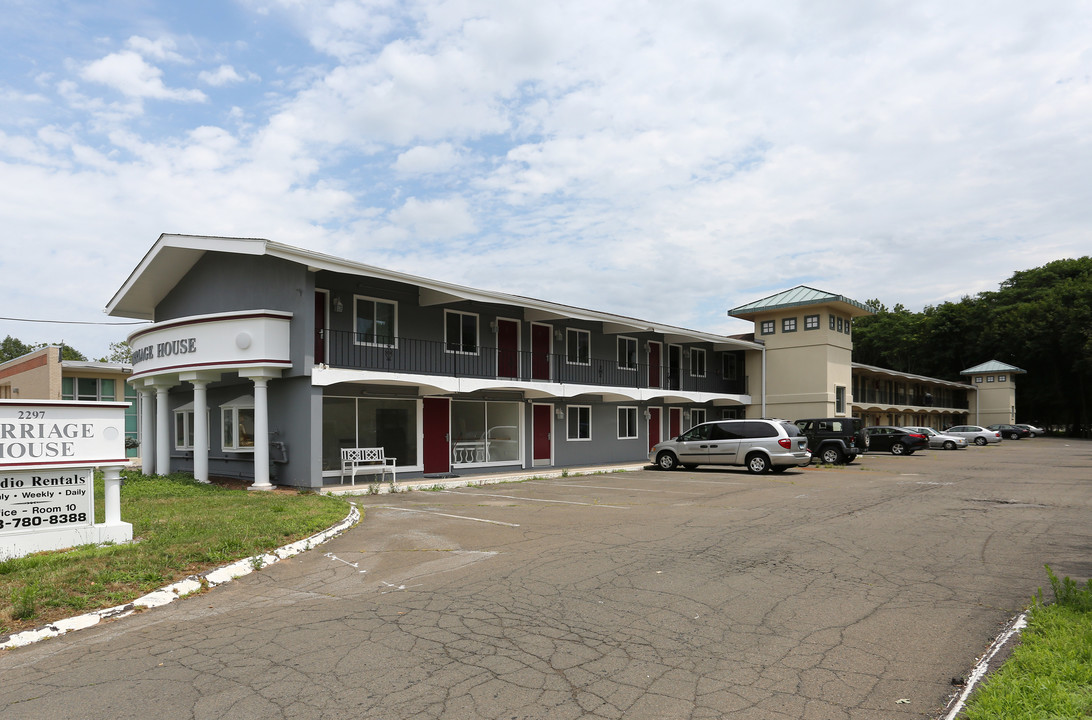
[(447, 378)]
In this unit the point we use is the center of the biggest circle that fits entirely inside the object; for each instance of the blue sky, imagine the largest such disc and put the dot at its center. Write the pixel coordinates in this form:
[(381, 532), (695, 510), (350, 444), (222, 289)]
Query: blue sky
[(665, 161)]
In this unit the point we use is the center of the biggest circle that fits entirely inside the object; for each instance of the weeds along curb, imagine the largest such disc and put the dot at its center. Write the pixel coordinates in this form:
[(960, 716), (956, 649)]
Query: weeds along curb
[(180, 589), (1012, 631)]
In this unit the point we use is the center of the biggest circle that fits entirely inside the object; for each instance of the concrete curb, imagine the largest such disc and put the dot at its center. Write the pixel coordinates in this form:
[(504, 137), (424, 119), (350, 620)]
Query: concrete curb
[(1011, 633), (180, 589), (380, 488)]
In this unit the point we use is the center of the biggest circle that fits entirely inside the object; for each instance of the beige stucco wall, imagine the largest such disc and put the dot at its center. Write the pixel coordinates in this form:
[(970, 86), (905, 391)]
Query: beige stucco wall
[(803, 367), (996, 400)]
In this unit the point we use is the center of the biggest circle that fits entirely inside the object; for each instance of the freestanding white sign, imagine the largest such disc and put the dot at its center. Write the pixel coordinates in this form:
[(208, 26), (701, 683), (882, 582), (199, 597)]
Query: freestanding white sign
[(48, 454)]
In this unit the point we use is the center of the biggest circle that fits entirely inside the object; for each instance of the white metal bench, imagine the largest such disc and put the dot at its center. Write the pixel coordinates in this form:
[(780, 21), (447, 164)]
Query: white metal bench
[(366, 461)]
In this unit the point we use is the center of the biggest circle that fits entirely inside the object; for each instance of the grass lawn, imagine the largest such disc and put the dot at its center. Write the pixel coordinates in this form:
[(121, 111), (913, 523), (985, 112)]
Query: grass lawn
[(180, 527), (1049, 676)]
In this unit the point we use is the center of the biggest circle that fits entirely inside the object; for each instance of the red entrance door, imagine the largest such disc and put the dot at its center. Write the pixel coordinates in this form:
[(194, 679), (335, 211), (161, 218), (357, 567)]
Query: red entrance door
[(540, 352), (507, 348), (653, 426), (654, 351), (542, 423), (320, 328), (674, 422), (437, 435)]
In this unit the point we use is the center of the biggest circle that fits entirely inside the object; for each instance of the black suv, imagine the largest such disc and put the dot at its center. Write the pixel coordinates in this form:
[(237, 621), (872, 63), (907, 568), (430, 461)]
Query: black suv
[(834, 440)]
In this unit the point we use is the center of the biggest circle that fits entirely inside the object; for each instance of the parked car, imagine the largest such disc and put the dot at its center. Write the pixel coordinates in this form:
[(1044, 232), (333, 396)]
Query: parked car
[(940, 440), (896, 440), (974, 433), (1012, 432), (1033, 431), (758, 445), (833, 440)]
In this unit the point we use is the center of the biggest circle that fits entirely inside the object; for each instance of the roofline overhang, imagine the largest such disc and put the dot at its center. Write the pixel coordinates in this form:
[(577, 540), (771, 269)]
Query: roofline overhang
[(156, 275)]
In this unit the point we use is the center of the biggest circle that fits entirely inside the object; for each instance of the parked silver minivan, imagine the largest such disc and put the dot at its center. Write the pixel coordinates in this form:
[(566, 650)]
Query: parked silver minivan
[(758, 445)]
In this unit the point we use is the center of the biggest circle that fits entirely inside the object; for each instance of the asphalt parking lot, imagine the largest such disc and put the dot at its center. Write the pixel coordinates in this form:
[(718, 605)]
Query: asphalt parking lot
[(817, 594)]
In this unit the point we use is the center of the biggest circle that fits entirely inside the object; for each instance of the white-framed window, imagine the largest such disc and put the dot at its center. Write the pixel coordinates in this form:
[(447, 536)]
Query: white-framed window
[(989, 378), (840, 325), (375, 321), (978, 378), (849, 325), (627, 353), (627, 423), (832, 323), (788, 325), (237, 418), (183, 426), (697, 362), (577, 346), (1000, 378), (768, 327), (460, 332), (811, 322), (578, 422), (697, 416), (839, 399)]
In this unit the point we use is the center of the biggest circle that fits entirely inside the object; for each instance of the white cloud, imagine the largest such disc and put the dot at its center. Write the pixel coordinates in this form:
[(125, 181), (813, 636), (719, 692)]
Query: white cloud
[(129, 74), (161, 49), (424, 160), (221, 76), (434, 219)]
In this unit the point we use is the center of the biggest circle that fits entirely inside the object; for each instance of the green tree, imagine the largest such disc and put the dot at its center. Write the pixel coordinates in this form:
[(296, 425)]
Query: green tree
[(120, 352), (12, 348)]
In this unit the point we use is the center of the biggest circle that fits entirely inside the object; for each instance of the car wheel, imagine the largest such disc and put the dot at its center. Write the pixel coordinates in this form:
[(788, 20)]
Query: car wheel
[(831, 456), (757, 464), (1013, 436), (898, 449), (980, 441), (949, 445), (666, 461)]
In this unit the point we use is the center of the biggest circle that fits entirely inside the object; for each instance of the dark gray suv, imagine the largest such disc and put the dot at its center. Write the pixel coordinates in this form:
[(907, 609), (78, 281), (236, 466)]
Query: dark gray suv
[(758, 445)]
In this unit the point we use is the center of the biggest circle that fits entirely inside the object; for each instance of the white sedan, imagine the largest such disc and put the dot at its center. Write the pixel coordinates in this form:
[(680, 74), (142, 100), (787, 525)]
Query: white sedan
[(973, 433), (941, 440)]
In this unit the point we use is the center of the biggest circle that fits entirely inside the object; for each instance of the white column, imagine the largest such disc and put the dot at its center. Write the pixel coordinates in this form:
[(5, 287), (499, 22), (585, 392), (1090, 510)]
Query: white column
[(112, 494), (261, 435), (200, 431), (200, 381), (162, 431), (147, 431)]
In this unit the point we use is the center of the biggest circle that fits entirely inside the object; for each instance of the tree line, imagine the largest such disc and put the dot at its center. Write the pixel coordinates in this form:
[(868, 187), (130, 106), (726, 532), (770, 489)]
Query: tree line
[(1039, 320), (11, 348)]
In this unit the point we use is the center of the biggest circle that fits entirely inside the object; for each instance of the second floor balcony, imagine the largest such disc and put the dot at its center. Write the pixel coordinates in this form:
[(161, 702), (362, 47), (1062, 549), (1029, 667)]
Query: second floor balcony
[(352, 351)]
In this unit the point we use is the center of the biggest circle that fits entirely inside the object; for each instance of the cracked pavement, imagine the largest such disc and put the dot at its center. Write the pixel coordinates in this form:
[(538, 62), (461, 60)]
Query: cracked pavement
[(821, 594)]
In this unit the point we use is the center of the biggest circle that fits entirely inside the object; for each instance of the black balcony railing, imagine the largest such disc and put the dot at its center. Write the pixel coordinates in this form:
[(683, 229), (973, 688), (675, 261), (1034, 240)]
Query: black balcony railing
[(430, 357)]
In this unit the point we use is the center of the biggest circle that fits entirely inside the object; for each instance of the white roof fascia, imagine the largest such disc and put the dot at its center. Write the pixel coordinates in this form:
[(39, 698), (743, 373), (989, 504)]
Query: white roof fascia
[(432, 290)]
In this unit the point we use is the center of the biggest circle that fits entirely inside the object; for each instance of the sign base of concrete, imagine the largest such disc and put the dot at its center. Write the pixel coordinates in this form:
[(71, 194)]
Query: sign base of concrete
[(38, 540)]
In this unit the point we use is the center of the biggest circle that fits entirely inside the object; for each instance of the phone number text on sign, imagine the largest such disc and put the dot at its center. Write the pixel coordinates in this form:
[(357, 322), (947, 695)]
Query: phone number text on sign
[(33, 499)]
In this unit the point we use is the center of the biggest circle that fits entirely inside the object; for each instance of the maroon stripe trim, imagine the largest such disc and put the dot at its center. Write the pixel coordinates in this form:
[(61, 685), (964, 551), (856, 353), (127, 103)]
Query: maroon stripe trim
[(73, 463), (221, 363), (183, 322)]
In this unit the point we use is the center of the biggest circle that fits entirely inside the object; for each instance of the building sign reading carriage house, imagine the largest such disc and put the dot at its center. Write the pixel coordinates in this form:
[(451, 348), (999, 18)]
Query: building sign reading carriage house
[(49, 451)]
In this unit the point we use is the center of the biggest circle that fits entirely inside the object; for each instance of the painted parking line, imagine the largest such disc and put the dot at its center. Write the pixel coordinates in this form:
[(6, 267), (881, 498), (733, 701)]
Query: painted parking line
[(433, 512), (527, 499), (609, 487)]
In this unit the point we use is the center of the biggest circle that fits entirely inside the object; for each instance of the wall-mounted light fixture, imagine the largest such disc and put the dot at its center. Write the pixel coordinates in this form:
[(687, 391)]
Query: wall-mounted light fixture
[(338, 305), (560, 414), (557, 334), (648, 414), (493, 325)]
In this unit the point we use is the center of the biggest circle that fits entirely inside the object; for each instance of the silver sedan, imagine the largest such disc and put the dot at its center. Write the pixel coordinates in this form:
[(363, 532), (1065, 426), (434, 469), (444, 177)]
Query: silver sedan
[(974, 433), (940, 440)]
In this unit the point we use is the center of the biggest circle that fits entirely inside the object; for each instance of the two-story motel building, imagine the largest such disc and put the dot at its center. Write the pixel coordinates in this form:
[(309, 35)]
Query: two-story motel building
[(264, 361)]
